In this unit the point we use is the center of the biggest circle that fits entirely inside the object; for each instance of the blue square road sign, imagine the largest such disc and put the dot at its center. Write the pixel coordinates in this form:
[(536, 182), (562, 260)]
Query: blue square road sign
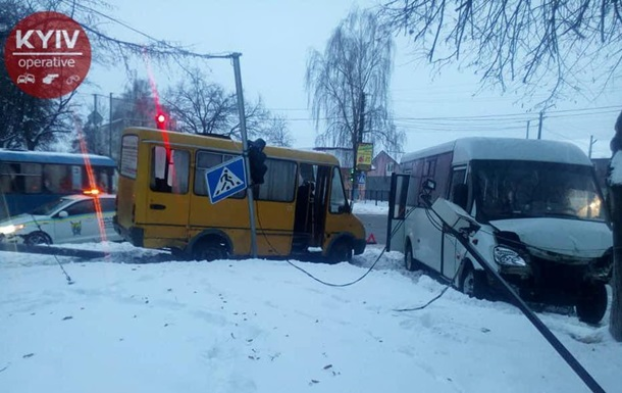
[(226, 179)]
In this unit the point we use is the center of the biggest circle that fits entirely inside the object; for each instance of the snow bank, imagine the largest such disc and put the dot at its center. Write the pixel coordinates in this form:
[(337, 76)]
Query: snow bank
[(370, 207), (263, 326)]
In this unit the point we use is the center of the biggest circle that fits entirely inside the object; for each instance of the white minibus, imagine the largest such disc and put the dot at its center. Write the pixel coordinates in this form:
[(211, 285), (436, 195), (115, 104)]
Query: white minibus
[(542, 219)]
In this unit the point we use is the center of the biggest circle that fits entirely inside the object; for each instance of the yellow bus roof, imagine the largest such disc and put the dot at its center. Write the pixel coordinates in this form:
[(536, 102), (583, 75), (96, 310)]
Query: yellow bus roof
[(205, 141)]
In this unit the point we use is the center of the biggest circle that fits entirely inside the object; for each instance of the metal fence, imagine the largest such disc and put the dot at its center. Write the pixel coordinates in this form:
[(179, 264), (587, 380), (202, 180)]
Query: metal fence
[(376, 195)]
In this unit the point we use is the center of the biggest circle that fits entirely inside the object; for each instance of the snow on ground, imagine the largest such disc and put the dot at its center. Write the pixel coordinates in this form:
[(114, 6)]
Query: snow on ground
[(370, 207), (263, 326)]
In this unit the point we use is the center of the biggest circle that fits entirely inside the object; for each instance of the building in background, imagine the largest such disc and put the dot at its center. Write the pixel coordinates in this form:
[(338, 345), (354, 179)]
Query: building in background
[(375, 183), (383, 165), (379, 178)]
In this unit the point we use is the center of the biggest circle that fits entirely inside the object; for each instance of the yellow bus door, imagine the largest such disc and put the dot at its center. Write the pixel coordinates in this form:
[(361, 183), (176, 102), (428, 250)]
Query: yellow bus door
[(319, 207), (167, 198)]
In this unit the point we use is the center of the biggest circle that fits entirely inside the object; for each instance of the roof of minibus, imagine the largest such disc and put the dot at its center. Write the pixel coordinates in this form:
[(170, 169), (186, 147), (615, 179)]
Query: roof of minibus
[(482, 148), (51, 157), (179, 138)]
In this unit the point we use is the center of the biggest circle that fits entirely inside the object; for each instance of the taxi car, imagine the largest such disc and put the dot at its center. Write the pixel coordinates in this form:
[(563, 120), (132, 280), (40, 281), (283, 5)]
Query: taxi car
[(70, 219)]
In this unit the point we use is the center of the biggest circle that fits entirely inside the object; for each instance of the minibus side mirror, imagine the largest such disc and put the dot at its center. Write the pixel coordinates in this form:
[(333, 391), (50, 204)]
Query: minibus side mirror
[(461, 195), (63, 214), (429, 185)]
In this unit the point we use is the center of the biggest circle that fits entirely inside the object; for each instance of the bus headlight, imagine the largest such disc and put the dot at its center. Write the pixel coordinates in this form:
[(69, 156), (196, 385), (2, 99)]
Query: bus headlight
[(508, 257), (10, 229)]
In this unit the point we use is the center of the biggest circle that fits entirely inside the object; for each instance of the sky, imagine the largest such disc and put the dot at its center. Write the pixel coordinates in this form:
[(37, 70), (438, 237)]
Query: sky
[(275, 38)]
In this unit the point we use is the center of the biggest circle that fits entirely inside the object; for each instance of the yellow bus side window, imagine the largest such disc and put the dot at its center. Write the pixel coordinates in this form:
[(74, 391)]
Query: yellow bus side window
[(280, 181), (204, 161), (170, 170), (337, 193)]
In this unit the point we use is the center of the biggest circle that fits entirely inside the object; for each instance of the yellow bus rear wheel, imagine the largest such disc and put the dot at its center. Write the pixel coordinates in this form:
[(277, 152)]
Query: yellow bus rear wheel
[(210, 249)]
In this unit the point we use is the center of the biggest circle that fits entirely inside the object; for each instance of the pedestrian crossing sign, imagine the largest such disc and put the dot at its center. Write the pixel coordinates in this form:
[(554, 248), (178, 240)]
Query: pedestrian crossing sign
[(226, 179)]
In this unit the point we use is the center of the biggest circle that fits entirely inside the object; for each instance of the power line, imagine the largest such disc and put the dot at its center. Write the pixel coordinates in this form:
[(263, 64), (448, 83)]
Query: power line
[(486, 123), (499, 117), (161, 42)]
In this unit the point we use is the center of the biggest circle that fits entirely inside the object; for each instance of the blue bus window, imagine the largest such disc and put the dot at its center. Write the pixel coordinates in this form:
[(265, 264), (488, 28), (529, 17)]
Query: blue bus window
[(29, 179)]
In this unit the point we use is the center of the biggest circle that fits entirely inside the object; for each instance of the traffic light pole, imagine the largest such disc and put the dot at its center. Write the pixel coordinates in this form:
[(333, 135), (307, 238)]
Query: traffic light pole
[(249, 193)]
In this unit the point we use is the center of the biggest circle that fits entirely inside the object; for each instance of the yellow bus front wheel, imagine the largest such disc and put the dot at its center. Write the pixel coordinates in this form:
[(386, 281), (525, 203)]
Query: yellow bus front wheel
[(341, 251)]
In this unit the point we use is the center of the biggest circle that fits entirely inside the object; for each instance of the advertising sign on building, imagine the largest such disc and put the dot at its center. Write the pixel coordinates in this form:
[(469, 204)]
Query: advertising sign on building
[(364, 156)]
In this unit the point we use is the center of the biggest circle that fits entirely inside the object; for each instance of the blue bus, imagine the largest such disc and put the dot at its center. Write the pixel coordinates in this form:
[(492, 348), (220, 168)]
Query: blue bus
[(29, 179)]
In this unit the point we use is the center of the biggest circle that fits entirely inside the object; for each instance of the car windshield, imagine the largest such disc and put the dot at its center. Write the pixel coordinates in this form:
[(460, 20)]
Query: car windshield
[(48, 208), (519, 189)]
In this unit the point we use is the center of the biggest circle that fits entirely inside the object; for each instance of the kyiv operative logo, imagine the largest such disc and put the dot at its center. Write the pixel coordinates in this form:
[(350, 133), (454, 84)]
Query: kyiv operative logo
[(47, 54)]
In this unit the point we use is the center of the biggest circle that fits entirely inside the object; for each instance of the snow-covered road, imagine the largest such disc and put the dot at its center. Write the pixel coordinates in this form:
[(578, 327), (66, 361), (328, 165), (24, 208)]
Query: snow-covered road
[(263, 326)]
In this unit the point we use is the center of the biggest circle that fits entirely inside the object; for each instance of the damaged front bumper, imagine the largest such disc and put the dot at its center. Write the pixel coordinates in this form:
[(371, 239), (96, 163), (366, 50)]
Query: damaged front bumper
[(557, 282)]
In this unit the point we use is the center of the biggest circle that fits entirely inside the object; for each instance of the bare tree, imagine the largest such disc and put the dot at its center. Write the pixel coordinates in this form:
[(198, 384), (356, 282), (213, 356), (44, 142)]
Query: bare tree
[(542, 44), (275, 132), (95, 136), (26, 121), (551, 44), (261, 123), (201, 107), (137, 105), (42, 127), (348, 85), (94, 16)]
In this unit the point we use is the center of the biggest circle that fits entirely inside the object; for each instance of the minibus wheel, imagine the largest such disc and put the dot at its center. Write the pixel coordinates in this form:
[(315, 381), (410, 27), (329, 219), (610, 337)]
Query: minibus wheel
[(592, 304), (210, 250), (409, 261), (341, 251), (37, 238), (471, 281)]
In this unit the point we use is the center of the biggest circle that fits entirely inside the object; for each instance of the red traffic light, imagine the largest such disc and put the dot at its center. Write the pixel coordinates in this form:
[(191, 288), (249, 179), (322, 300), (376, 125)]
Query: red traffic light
[(160, 120)]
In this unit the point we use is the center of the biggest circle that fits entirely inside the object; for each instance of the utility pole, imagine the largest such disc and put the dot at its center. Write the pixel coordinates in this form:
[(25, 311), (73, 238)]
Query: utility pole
[(540, 124), (528, 123), (359, 139), (96, 125), (362, 117), (110, 127), (249, 193), (361, 133), (592, 142)]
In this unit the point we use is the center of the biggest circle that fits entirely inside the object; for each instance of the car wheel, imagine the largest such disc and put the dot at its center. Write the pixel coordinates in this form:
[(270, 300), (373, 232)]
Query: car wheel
[(592, 304), (409, 261), (38, 238)]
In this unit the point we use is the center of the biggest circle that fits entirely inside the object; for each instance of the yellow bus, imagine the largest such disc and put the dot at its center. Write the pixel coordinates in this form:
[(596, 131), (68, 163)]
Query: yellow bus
[(163, 202)]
